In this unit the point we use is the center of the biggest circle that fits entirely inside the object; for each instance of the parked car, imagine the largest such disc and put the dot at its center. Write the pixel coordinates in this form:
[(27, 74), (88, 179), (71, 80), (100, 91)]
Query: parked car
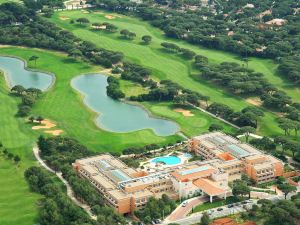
[(219, 209), (230, 206)]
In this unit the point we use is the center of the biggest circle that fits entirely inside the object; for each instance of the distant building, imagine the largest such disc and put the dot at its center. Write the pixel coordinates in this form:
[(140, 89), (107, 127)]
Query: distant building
[(127, 189)]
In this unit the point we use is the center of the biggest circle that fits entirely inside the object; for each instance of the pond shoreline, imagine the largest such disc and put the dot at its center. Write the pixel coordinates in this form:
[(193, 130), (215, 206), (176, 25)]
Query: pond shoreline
[(98, 114), (26, 68)]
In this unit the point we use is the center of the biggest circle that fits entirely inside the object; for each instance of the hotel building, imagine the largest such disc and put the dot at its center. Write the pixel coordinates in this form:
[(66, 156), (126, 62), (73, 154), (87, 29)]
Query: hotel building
[(237, 158), (127, 189)]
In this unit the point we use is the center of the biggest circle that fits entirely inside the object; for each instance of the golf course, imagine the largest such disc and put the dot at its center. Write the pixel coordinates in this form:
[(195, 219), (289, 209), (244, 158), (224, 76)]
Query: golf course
[(65, 107), (169, 66)]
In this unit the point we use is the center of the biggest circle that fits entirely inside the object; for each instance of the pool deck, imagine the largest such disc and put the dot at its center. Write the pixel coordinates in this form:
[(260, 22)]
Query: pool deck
[(151, 166)]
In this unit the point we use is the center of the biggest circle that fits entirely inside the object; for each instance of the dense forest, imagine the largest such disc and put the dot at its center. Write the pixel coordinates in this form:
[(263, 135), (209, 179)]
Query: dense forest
[(262, 28), (21, 25)]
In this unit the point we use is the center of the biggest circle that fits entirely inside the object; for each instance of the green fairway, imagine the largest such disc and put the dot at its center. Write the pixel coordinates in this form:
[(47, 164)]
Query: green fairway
[(168, 66), (3, 1), (17, 203)]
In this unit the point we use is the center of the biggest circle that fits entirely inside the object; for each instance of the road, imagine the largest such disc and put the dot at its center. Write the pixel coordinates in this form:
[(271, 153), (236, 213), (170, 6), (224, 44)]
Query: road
[(70, 192)]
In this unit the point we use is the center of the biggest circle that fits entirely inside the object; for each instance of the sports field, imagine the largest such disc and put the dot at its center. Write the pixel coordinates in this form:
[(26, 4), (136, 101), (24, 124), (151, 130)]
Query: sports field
[(168, 66)]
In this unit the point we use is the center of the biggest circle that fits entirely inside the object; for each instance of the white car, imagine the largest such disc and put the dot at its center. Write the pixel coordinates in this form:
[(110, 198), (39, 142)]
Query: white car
[(184, 204)]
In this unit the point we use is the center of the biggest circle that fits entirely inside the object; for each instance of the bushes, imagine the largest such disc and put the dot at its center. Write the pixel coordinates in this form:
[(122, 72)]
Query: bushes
[(29, 97), (113, 88)]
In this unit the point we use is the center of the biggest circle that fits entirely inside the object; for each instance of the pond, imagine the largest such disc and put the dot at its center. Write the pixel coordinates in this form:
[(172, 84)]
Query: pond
[(118, 116), (16, 74)]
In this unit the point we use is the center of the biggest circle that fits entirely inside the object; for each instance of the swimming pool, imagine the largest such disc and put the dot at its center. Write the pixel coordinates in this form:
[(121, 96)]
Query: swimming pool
[(168, 160)]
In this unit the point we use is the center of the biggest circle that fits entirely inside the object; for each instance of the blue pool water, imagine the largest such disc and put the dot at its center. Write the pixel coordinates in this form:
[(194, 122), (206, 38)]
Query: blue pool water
[(168, 160)]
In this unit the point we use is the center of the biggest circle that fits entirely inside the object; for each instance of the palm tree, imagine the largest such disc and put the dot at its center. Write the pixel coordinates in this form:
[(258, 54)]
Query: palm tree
[(34, 58)]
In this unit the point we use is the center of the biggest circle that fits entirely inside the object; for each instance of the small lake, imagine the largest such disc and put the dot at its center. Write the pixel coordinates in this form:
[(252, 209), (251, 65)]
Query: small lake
[(118, 116), (16, 74)]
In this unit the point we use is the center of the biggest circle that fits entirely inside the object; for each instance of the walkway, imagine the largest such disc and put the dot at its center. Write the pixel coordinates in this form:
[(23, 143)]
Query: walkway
[(70, 192)]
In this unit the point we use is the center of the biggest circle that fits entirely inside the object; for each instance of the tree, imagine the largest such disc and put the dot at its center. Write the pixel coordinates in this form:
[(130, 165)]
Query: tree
[(34, 91), (247, 130), (124, 33), (24, 110), (75, 53), (205, 219), (240, 187), (34, 58), (147, 39), (17, 159), (286, 189), (180, 99), (215, 127), (31, 119), (18, 89), (39, 119), (82, 20), (10, 155)]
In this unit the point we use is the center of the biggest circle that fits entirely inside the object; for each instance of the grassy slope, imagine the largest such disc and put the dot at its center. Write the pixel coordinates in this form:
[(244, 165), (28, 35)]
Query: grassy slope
[(167, 66), (17, 203)]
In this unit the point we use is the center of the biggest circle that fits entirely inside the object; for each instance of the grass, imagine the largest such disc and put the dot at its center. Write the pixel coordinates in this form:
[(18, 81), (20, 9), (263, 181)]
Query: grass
[(4, 1), (215, 204), (168, 66), (17, 203)]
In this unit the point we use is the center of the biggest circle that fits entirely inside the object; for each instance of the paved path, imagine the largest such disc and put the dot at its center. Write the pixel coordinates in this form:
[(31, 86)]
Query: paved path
[(181, 212), (70, 192)]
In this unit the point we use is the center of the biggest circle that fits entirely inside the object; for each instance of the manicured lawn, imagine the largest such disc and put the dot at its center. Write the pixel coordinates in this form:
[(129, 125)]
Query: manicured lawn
[(215, 204), (191, 125), (3, 1), (168, 66), (17, 203)]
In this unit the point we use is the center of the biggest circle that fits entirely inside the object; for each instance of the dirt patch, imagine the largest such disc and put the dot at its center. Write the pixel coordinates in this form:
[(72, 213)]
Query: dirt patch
[(64, 18), (184, 112), (54, 132), (254, 101), (45, 124), (85, 11)]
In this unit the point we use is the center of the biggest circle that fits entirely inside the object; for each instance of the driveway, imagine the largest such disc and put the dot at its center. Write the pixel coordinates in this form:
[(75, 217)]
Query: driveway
[(181, 212)]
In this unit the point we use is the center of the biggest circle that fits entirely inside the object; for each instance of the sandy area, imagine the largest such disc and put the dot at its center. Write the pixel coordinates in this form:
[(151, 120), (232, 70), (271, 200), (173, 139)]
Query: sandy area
[(54, 132), (254, 101), (99, 27), (64, 18), (184, 112), (45, 124), (110, 17)]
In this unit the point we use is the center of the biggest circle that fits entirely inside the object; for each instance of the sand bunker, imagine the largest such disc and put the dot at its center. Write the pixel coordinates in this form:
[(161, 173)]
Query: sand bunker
[(103, 27), (45, 124), (54, 132), (254, 101), (64, 18), (184, 112), (110, 17)]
